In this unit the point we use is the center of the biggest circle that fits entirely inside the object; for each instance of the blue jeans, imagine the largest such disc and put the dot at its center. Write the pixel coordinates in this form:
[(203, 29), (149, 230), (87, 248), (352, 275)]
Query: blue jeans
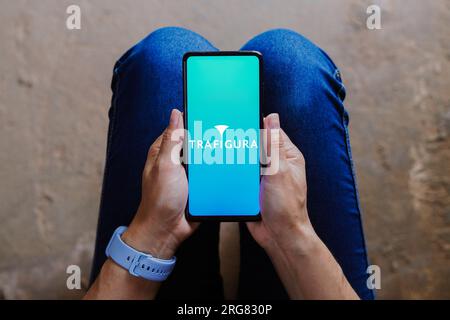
[(304, 86)]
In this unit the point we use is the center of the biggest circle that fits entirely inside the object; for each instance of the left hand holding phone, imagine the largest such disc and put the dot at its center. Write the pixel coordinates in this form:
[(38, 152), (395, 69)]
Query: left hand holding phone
[(160, 225)]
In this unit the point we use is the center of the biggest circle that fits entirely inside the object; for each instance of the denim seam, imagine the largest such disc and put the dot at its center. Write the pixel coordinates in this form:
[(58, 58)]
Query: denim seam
[(352, 167), (114, 113), (337, 75), (113, 121)]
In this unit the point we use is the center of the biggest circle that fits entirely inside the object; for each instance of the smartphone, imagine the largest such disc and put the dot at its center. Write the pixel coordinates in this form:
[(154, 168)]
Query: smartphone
[(222, 103)]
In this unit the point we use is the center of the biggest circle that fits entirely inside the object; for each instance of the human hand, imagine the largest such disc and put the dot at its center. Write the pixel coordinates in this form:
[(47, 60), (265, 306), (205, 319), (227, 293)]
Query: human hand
[(284, 214), (306, 267), (160, 225)]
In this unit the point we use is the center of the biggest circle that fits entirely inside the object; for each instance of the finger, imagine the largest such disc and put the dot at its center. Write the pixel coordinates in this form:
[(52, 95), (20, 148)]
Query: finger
[(275, 141), (290, 149), (172, 139), (181, 124), (154, 149), (194, 225), (252, 224), (152, 154), (264, 149)]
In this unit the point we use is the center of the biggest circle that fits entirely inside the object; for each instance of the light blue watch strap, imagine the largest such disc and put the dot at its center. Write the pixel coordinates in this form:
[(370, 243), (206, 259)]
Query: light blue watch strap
[(139, 264)]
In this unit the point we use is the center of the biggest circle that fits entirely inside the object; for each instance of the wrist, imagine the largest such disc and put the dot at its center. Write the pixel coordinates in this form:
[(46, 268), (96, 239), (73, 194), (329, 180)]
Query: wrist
[(148, 239), (301, 240)]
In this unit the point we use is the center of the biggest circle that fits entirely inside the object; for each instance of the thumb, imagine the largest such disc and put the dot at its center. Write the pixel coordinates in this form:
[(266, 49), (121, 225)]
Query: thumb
[(286, 148), (172, 137), (275, 143)]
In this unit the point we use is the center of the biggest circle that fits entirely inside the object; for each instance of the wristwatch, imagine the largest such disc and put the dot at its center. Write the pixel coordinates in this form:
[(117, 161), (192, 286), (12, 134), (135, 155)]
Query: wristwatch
[(137, 263)]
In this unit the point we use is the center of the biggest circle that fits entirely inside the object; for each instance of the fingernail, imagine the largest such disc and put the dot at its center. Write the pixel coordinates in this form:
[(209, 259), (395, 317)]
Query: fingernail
[(274, 121), (174, 118)]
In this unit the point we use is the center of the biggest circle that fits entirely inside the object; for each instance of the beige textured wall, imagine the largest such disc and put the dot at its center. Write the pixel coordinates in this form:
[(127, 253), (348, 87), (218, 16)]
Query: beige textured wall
[(54, 96)]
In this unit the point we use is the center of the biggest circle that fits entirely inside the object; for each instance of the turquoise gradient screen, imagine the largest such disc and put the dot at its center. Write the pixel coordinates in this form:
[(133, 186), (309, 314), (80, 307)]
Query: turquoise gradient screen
[(223, 94)]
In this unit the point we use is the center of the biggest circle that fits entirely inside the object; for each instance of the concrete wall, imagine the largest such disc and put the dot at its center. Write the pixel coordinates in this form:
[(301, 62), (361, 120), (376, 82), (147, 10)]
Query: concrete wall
[(54, 96)]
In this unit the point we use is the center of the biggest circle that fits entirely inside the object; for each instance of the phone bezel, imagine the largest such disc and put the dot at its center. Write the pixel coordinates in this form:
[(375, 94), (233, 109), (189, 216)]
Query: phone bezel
[(229, 218)]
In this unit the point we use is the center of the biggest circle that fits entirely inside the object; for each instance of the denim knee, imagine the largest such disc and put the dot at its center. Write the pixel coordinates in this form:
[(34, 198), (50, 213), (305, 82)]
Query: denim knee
[(153, 68), (162, 47), (290, 51), (298, 76)]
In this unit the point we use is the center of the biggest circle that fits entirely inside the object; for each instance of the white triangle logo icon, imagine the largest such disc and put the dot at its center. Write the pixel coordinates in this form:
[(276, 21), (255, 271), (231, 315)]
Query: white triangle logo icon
[(221, 128)]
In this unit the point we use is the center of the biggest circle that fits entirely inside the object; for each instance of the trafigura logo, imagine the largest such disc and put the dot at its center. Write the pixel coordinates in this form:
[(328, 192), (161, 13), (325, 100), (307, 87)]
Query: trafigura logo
[(229, 143), (222, 145)]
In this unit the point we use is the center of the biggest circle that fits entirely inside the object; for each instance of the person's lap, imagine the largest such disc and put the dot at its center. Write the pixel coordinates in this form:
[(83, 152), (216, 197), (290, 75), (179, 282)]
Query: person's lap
[(301, 84)]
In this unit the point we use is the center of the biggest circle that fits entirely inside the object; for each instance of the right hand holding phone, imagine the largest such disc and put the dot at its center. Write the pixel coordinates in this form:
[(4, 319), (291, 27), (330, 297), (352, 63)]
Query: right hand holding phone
[(285, 219)]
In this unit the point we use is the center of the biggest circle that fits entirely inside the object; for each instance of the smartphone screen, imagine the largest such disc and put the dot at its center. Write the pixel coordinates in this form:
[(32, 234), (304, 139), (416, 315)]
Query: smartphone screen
[(222, 118)]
